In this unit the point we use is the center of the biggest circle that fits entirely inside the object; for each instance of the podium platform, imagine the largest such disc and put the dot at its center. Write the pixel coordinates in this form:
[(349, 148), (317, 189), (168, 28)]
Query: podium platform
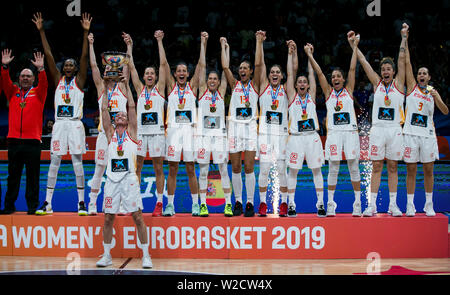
[(183, 236)]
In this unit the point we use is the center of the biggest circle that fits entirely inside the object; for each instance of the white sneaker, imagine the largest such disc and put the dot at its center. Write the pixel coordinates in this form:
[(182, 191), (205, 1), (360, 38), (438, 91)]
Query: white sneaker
[(147, 262), (394, 210), (92, 208), (106, 260), (331, 208), (428, 208), (356, 209), (410, 210), (370, 211)]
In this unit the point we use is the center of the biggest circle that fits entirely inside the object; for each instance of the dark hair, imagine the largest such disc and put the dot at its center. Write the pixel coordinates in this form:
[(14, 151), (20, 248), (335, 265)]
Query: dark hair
[(152, 67), (72, 60), (339, 70), (302, 75), (387, 60), (213, 72), (247, 62)]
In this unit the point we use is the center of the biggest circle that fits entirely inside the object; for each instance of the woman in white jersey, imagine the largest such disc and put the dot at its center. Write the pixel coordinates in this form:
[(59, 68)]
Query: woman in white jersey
[(68, 130), (181, 118), (122, 184), (342, 129), (117, 102), (211, 133), (304, 142), (273, 126), (385, 139), (150, 117), (418, 133), (242, 128)]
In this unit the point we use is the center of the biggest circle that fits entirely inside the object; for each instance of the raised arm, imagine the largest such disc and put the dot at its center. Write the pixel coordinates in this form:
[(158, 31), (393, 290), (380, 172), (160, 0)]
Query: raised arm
[(225, 60), (200, 69), (312, 79), (290, 84), (354, 40), (260, 77), (409, 74), (54, 72), (131, 106), (326, 88), (400, 77), (294, 59), (106, 118), (82, 73), (439, 102), (137, 84), (371, 74), (96, 75), (163, 64)]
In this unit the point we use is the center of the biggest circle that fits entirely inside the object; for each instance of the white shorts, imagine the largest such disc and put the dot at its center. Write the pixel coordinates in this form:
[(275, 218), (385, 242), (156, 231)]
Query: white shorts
[(272, 147), (207, 145), (68, 136), (342, 141), (304, 147), (386, 142), (180, 140), (123, 196), (101, 149), (242, 136), (155, 144), (420, 149)]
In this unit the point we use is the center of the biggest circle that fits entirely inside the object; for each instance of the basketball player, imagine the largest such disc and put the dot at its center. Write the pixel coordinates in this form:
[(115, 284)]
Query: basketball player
[(242, 128), (211, 132), (122, 184), (150, 118), (342, 129), (386, 140), (68, 130), (418, 132), (181, 118), (273, 124), (117, 101), (304, 142)]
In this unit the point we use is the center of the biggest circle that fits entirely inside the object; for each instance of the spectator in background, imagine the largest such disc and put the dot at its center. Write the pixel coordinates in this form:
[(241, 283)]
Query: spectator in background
[(26, 105), (48, 127)]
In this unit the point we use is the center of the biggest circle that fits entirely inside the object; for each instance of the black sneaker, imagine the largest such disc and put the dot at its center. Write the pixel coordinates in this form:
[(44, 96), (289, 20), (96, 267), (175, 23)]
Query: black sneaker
[(237, 211), (82, 211), (249, 210), (321, 211), (291, 211)]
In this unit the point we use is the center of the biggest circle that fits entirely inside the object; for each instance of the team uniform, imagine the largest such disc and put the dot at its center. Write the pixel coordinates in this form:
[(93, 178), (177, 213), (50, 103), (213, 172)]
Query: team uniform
[(117, 102), (242, 114), (386, 139), (304, 142), (342, 128), (181, 116), (273, 124), (211, 132), (150, 122), (68, 130), (122, 186), (419, 135)]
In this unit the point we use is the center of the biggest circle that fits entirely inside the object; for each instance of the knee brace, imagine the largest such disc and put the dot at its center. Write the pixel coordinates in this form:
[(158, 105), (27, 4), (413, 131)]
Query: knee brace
[(55, 162), (333, 171), (353, 168), (202, 178), (317, 178), (292, 179), (263, 177), (282, 175), (96, 181), (78, 170), (225, 178)]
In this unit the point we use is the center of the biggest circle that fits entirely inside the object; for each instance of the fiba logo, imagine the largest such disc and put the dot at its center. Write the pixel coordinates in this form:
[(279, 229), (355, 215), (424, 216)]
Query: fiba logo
[(374, 8), (74, 8)]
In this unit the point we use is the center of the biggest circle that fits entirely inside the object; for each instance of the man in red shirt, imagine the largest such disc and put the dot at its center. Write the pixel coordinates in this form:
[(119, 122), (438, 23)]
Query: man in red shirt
[(26, 105)]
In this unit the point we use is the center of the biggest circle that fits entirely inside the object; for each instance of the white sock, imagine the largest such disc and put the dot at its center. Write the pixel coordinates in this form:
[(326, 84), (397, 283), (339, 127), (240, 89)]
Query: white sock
[(262, 196), (144, 248), (107, 249), (194, 198), (80, 194), (93, 197), (393, 198), (291, 197), (320, 197), (330, 195), (373, 199), (159, 197), (228, 198), (410, 198), (250, 182), (236, 180), (170, 199), (358, 196), (49, 195), (203, 198), (429, 197)]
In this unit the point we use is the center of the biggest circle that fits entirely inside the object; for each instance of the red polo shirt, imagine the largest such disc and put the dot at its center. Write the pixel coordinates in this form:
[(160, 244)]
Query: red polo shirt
[(26, 122)]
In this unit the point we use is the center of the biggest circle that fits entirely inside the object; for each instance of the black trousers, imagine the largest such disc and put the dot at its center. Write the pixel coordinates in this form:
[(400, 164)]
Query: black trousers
[(23, 152)]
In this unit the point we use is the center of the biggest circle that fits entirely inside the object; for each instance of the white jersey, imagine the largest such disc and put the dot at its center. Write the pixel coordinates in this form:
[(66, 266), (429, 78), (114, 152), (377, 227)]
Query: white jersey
[(299, 124), (211, 116), (68, 100), (181, 108), (340, 111), (419, 113), (117, 102), (238, 110), (273, 104), (118, 166), (150, 112), (388, 110)]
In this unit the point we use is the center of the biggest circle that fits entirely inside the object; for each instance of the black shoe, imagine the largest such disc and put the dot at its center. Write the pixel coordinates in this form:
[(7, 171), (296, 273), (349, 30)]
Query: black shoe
[(237, 211), (291, 211), (321, 211), (249, 210), (7, 211)]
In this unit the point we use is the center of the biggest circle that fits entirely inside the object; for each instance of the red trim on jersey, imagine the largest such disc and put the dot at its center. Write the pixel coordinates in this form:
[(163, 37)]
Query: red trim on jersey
[(414, 88), (397, 88), (135, 141)]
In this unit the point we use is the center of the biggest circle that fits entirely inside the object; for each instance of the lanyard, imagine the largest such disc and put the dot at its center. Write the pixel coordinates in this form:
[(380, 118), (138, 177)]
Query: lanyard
[(120, 140), (24, 96), (110, 93), (387, 90), (213, 98), (246, 90), (274, 94), (337, 95), (181, 96), (148, 94), (304, 104)]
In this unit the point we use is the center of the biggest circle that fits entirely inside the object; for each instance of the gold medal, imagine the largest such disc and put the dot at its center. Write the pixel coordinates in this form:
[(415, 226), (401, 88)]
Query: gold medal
[(22, 104), (247, 104), (387, 102), (109, 109), (212, 109), (304, 116), (67, 100), (274, 106), (147, 106), (120, 153), (337, 108), (181, 106)]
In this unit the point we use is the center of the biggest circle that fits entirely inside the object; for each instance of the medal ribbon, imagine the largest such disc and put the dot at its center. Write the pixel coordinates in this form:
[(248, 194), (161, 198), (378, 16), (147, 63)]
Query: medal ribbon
[(181, 96), (246, 91), (274, 93), (120, 140), (304, 104), (148, 95), (23, 97), (110, 94), (213, 99), (387, 91), (337, 95), (67, 87)]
